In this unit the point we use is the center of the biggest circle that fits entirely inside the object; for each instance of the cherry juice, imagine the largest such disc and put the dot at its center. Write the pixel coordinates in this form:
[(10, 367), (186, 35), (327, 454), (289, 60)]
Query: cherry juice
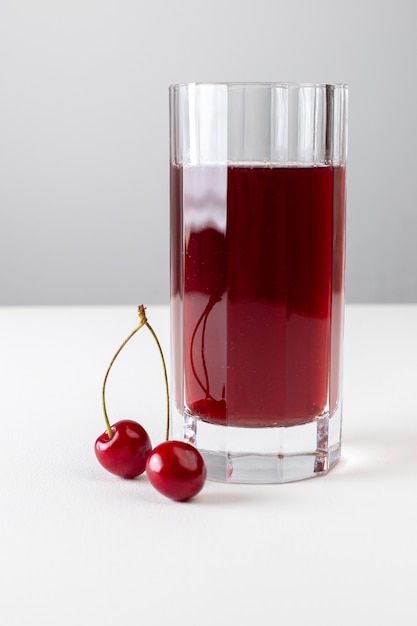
[(257, 261)]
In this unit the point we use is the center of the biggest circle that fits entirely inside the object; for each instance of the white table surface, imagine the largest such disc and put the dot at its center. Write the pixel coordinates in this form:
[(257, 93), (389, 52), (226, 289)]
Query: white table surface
[(80, 546)]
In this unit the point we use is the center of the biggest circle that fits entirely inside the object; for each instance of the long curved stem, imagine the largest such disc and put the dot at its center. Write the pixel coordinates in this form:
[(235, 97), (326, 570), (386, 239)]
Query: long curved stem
[(203, 319), (142, 322), (203, 354), (193, 336), (165, 378)]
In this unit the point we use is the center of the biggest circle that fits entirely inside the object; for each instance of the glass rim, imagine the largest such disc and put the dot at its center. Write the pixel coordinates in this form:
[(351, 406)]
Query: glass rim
[(266, 84)]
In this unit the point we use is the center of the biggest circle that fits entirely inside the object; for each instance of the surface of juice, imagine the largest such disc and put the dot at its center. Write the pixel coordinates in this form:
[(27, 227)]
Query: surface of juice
[(257, 292)]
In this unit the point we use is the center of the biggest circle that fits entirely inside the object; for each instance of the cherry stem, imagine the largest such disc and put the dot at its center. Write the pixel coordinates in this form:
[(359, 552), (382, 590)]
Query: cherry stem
[(142, 322), (203, 319), (149, 327)]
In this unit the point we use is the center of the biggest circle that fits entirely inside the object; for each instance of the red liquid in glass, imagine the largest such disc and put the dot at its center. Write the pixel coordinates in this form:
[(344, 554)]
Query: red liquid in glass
[(257, 298)]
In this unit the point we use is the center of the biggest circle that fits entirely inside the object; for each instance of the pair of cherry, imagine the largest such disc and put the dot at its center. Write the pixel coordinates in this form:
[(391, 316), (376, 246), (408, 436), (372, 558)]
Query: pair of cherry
[(175, 468)]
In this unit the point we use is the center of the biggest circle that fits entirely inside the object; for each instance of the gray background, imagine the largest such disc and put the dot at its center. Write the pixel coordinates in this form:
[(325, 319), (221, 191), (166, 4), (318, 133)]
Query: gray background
[(84, 133)]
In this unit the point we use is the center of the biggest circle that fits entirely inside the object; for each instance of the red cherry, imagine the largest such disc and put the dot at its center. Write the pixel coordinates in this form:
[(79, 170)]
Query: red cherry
[(209, 408), (176, 469), (126, 452)]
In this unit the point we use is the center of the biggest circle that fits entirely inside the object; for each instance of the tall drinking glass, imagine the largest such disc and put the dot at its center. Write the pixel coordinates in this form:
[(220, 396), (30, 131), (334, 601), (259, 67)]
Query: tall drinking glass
[(257, 276)]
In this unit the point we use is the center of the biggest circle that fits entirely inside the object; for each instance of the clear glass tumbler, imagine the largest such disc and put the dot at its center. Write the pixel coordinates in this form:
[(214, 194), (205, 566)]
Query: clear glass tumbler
[(257, 276)]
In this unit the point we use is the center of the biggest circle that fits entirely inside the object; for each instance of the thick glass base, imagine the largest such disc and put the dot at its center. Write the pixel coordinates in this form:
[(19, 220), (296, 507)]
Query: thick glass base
[(263, 455)]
